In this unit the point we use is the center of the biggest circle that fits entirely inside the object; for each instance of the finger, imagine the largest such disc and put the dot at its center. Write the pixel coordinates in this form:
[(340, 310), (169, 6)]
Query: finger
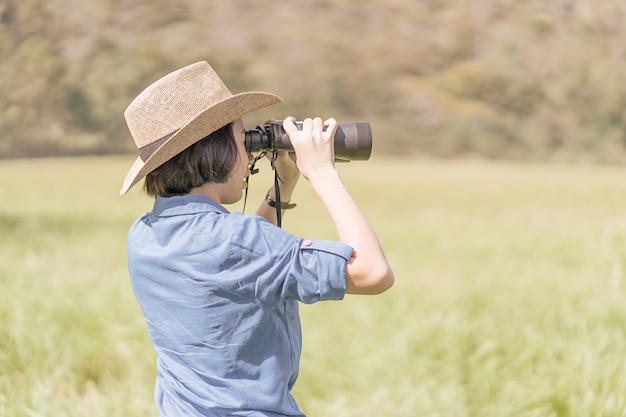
[(286, 155), (330, 122), (289, 124), (331, 126), (283, 155), (307, 124), (318, 125)]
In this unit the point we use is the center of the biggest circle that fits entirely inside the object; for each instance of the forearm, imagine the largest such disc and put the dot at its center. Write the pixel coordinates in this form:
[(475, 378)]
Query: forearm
[(368, 272), (268, 212)]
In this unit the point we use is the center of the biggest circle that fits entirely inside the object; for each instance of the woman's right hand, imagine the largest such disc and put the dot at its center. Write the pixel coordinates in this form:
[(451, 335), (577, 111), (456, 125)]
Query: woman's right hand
[(313, 144)]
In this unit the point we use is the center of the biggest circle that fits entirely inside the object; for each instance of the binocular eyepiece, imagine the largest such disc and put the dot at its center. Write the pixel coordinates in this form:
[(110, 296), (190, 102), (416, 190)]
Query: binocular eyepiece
[(353, 140)]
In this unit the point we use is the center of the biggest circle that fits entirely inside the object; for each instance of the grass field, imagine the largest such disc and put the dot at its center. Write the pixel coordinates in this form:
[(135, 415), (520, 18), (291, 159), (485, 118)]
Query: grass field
[(509, 296)]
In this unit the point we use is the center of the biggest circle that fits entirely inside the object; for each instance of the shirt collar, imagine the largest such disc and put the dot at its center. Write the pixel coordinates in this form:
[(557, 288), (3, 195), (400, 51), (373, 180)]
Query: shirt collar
[(185, 204)]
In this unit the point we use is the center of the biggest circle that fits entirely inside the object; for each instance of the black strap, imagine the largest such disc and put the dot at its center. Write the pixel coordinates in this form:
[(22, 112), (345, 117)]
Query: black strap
[(253, 171), (277, 190)]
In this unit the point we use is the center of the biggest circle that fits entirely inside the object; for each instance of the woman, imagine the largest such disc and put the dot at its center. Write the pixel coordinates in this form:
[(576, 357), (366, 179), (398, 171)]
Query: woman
[(219, 291)]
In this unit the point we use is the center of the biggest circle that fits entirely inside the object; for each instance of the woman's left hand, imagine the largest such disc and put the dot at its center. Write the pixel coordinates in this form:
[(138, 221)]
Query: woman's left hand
[(285, 164), (286, 167)]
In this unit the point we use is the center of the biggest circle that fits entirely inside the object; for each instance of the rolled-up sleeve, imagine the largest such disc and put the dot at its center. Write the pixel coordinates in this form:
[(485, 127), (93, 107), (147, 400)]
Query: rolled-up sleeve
[(308, 271), (291, 268), (325, 263)]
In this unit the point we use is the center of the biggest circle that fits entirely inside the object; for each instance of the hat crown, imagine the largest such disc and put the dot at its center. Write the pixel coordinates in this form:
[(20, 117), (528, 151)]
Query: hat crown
[(173, 101), (180, 109)]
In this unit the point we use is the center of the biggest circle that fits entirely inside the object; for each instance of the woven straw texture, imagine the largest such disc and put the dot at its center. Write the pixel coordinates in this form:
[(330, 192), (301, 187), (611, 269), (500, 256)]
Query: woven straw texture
[(180, 109)]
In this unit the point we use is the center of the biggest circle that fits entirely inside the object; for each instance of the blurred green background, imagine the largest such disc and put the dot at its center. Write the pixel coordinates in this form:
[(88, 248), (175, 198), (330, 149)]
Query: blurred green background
[(509, 297), (528, 79)]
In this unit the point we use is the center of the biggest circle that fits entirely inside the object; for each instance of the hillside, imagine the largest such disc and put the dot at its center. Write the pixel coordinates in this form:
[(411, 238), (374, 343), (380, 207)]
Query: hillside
[(506, 79)]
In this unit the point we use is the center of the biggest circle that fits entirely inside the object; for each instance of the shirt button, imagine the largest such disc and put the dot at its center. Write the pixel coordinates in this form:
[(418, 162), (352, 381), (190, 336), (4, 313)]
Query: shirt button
[(307, 243)]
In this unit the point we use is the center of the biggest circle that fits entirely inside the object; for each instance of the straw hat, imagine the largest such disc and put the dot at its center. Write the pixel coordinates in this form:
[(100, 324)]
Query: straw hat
[(180, 109)]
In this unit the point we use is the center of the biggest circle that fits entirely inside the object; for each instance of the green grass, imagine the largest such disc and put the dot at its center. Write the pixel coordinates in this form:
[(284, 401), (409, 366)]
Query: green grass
[(509, 296)]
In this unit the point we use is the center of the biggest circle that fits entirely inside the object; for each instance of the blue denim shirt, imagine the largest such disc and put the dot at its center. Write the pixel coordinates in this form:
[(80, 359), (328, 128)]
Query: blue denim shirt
[(219, 292)]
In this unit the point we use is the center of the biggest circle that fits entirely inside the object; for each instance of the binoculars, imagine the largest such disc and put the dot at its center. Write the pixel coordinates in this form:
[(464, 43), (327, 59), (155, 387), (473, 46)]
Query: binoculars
[(353, 140)]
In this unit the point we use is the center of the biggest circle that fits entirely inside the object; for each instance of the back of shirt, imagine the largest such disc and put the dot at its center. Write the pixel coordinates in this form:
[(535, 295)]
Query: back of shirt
[(219, 294)]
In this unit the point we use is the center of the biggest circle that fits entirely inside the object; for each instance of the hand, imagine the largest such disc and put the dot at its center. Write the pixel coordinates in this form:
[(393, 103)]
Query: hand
[(287, 167), (285, 163), (314, 144)]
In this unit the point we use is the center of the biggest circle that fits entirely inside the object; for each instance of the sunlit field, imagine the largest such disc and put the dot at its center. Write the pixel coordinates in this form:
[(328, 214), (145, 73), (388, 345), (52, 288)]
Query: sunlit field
[(509, 298)]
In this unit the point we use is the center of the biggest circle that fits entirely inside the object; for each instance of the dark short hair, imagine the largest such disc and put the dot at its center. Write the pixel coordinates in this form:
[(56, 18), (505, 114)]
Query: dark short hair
[(209, 160)]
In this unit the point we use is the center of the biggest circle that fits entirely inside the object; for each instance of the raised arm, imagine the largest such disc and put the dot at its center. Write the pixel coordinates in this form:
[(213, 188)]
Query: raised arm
[(368, 272), (288, 174)]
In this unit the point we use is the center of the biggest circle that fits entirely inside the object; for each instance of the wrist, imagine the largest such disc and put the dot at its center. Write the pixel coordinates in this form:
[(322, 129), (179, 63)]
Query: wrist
[(285, 188), (284, 204), (322, 177), (285, 191)]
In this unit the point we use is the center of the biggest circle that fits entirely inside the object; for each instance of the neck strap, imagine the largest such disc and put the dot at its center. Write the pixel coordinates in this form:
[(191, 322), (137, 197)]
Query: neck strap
[(254, 170)]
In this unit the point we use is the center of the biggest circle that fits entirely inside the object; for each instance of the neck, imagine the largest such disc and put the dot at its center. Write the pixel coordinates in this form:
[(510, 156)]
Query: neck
[(211, 190)]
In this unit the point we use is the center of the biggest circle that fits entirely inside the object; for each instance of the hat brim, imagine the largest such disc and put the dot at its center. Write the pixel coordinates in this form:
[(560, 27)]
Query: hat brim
[(205, 123)]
